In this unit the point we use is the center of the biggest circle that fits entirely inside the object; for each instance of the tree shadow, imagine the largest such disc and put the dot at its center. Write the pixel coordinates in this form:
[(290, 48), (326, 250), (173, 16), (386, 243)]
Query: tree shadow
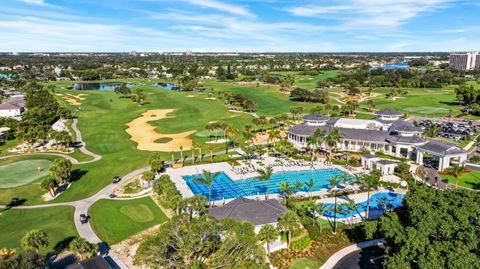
[(77, 174), (450, 103), (59, 247)]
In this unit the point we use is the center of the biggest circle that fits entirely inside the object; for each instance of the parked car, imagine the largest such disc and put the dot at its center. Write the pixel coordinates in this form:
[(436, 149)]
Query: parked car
[(116, 179), (14, 202), (83, 218), (112, 195)]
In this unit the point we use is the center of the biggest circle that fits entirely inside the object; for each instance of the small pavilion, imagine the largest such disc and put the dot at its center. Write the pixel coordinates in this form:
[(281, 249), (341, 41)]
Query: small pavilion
[(442, 151)]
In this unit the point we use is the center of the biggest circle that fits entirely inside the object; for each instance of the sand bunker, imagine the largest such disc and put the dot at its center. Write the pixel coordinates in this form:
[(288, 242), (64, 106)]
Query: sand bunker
[(73, 99), (145, 135), (211, 98)]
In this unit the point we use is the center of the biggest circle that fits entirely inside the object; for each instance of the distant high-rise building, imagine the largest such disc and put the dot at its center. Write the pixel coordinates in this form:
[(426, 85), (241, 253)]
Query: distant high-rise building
[(189, 52), (465, 61)]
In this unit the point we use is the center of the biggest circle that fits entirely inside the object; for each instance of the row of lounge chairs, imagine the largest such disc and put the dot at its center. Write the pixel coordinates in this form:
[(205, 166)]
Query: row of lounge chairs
[(244, 169)]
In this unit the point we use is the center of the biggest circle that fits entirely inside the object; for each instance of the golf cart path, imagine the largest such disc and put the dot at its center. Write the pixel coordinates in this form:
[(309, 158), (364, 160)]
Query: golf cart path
[(82, 148)]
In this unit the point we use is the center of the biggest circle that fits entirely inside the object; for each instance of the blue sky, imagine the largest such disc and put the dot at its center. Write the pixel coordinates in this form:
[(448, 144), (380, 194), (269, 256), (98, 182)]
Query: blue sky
[(240, 25)]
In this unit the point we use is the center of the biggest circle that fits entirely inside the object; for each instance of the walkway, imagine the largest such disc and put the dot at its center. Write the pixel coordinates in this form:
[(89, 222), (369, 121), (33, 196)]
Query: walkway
[(335, 258)]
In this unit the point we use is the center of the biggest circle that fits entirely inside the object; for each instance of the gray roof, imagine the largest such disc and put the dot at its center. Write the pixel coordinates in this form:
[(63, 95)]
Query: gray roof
[(370, 156), (388, 112), (316, 117), (307, 130), (243, 209), (442, 148), (8, 106), (363, 135), (404, 126), (405, 139), (97, 262), (386, 162)]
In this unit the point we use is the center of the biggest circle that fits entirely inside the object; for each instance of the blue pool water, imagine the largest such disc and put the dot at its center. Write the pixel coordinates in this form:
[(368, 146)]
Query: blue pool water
[(225, 188), (378, 201), (392, 66)]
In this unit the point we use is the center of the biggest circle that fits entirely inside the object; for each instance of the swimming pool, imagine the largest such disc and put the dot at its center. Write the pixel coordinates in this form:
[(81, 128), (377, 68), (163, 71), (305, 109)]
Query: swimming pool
[(225, 188), (378, 201)]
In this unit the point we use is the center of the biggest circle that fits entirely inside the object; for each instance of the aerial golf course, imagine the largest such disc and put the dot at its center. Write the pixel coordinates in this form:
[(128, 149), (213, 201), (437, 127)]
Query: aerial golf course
[(125, 134)]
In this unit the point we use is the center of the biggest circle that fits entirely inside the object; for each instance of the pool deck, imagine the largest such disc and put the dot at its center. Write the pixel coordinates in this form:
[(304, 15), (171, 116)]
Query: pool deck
[(176, 175)]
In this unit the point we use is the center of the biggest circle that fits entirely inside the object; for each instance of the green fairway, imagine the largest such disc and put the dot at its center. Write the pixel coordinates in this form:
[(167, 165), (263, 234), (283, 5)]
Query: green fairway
[(115, 221), (30, 191), (57, 222), (23, 172), (468, 180)]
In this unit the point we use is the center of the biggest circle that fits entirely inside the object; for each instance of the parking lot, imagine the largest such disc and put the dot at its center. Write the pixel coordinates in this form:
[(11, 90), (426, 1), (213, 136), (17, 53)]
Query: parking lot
[(453, 130)]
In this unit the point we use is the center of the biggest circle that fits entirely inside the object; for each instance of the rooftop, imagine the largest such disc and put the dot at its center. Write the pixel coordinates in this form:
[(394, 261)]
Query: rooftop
[(243, 209), (97, 262), (388, 112), (442, 148), (316, 117)]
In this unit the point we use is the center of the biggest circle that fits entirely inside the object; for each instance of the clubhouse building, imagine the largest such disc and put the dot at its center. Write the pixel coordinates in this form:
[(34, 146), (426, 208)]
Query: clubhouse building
[(388, 133)]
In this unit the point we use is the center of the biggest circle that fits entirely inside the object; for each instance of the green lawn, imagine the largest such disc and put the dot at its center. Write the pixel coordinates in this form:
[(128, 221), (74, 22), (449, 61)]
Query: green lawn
[(469, 180), (305, 263), (30, 192), (421, 102), (21, 172), (114, 221), (57, 222)]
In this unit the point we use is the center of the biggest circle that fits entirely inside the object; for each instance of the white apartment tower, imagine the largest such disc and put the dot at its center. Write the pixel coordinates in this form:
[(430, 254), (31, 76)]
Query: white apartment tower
[(465, 61)]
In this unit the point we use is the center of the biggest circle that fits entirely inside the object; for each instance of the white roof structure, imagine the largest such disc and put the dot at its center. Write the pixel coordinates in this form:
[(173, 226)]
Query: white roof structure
[(357, 124)]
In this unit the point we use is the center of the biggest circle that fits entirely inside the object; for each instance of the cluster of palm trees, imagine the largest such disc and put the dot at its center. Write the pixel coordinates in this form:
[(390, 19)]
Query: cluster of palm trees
[(60, 174), (320, 137), (229, 132)]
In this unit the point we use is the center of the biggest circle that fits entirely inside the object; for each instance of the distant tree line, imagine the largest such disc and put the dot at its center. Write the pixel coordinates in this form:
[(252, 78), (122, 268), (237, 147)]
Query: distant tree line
[(304, 95)]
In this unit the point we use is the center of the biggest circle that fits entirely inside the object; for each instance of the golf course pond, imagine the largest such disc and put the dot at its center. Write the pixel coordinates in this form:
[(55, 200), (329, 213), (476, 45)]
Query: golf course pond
[(102, 86)]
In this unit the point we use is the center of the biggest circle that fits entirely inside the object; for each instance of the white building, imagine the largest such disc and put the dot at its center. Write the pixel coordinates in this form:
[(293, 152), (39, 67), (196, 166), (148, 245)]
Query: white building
[(465, 61), (388, 134), (12, 107)]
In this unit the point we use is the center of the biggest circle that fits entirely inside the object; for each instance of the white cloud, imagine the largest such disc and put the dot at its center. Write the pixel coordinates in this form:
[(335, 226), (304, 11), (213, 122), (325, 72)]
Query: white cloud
[(375, 13), (229, 8), (37, 3)]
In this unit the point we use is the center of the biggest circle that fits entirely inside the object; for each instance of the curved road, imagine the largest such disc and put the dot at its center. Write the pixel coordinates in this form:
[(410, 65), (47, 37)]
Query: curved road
[(82, 206)]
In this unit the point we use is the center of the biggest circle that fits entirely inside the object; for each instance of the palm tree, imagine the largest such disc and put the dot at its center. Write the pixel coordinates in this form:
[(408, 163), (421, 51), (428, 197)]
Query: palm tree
[(370, 182), (267, 235), (352, 206), (274, 135), (229, 132), (207, 179), (334, 182), (148, 176), (286, 189), (35, 239), (265, 175), (332, 139), (287, 222), (49, 184), (310, 184), (319, 210), (83, 248), (61, 170), (432, 131), (456, 172)]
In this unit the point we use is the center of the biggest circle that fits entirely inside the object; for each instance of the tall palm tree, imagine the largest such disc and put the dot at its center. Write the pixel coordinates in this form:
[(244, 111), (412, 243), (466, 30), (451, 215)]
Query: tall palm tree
[(35, 239), (267, 235), (287, 222), (352, 206), (319, 210), (265, 175), (310, 184), (49, 184), (456, 172), (334, 182), (274, 135), (370, 182), (207, 179), (286, 189), (332, 139), (230, 132)]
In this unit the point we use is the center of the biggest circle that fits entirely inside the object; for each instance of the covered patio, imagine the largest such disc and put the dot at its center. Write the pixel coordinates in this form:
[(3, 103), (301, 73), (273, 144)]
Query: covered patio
[(442, 151)]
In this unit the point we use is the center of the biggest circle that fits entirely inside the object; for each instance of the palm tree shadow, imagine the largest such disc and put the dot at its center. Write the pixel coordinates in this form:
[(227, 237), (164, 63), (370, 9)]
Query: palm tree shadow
[(59, 247), (77, 174)]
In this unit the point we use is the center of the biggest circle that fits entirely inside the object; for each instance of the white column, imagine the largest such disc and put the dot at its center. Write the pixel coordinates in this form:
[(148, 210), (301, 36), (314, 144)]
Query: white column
[(397, 151), (462, 160), (419, 157)]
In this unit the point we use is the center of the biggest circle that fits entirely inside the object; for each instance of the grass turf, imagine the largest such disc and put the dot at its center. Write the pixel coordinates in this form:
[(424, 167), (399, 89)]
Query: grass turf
[(57, 222), (114, 221), (31, 192), (305, 263), (22, 172), (469, 180)]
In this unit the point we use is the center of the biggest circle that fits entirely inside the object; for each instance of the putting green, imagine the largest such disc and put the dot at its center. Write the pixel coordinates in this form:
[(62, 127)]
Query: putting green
[(23, 172), (138, 213), (427, 110)]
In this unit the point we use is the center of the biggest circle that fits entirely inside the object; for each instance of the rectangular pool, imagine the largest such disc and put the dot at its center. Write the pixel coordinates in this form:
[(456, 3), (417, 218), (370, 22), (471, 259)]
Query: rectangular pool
[(225, 188)]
